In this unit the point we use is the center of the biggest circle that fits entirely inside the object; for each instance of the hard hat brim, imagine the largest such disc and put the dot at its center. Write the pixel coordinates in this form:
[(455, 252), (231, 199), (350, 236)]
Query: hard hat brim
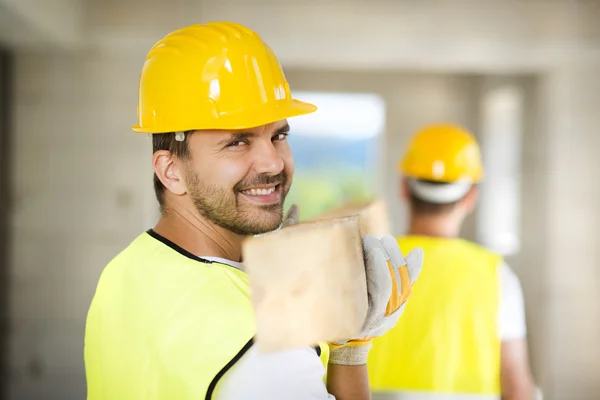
[(252, 119)]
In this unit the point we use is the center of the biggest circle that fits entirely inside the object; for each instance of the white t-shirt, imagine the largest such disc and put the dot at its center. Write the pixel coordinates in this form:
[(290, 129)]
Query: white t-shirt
[(511, 316), (297, 374)]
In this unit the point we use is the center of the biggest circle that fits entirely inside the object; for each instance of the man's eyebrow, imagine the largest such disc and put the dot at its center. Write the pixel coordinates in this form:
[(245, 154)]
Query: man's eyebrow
[(283, 129), (239, 136)]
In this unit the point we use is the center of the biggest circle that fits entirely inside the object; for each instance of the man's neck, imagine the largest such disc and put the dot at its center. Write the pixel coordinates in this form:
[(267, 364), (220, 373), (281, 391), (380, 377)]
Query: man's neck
[(443, 226), (199, 236)]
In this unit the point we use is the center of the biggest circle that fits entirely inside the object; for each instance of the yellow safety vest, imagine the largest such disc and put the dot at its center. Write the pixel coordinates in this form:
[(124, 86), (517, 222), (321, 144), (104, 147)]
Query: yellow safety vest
[(165, 324), (446, 343)]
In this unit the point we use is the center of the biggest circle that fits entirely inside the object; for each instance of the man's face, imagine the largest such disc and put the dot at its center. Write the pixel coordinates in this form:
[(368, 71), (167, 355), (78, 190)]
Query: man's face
[(239, 179)]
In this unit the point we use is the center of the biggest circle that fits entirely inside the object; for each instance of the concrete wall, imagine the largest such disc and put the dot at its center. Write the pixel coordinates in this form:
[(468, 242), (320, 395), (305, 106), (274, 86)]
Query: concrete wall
[(82, 190), (570, 98), (461, 35)]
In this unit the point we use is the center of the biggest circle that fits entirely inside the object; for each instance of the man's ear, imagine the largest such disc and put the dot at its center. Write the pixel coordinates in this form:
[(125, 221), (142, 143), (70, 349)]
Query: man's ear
[(404, 190), (168, 171), (470, 200)]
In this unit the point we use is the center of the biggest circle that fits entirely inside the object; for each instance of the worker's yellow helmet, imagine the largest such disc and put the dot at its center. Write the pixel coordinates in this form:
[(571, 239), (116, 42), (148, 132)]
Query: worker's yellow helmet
[(213, 76), (443, 153)]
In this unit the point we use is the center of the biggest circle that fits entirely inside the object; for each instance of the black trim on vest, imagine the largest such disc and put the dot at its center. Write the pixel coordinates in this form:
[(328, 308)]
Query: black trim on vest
[(227, 367), (183, 251), (318, 350), (175, 247)]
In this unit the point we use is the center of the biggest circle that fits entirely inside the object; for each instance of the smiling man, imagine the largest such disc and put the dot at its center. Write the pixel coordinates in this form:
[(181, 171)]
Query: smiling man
[(172, 317)]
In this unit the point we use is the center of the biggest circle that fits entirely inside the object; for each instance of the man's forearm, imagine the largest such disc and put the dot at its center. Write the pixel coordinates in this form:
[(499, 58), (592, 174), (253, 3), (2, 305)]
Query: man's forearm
[(522, 393), (347, 382), (522, 388), (515, 376)]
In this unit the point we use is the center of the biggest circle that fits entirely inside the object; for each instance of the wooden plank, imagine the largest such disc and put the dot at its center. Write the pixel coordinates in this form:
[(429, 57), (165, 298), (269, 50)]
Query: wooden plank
[(373, 215), (308, 283)]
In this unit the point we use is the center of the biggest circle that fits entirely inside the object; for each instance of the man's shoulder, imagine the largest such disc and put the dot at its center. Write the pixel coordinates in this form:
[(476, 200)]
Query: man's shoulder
[(150, 251), (149, 264), (461, 245), (174, 284), (139, 247), (483, 256), (476, 247)]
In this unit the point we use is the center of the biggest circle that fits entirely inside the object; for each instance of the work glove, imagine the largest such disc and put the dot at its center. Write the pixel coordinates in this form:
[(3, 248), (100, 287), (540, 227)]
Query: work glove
[(291, 217), (390, 277)]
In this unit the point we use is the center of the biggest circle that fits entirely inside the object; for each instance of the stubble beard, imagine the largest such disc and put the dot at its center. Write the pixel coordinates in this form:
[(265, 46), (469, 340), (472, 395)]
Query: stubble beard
[(222, 207)]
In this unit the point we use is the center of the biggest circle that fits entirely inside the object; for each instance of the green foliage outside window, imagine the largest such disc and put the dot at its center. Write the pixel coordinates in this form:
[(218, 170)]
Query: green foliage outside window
[(321, 189)]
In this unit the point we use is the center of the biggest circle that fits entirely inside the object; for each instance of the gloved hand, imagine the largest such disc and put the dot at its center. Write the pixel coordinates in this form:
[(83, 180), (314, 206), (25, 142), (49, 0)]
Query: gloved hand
[(291, 217), (390, 277)]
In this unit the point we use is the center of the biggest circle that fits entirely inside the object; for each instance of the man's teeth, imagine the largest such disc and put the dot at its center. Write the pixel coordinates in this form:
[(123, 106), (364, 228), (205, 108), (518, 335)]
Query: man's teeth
[(259, 192)]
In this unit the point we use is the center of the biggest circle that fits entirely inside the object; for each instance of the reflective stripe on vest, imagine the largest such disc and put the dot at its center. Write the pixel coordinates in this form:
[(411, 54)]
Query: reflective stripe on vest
[(447, 339), (165, 324), (432, 396)]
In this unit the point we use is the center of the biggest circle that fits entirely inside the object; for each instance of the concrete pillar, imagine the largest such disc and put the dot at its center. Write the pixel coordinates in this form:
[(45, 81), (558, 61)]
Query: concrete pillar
[(570, 118)]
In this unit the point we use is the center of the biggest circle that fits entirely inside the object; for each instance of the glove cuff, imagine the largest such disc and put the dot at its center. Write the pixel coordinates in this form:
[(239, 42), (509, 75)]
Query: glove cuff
[(354, 352)]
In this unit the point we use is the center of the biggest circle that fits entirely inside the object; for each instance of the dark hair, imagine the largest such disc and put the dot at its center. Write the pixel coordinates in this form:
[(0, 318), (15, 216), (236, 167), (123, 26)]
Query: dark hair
[(167, 141), (424, 207)]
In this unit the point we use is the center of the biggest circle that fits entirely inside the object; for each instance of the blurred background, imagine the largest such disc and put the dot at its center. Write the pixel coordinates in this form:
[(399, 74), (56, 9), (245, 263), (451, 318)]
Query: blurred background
[(76, 182)]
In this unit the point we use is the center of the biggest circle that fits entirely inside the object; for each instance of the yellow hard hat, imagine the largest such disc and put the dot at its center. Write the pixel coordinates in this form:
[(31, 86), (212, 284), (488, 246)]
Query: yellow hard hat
[(443, 153), (217, 75)]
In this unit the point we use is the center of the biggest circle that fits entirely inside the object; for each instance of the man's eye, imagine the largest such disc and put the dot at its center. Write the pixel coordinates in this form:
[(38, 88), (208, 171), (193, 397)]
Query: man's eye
[(237, 143), (280, 136)]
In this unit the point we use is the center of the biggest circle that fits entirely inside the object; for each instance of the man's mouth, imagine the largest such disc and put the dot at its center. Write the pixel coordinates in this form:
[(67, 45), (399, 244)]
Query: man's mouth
[(259, 191), (263, 194)]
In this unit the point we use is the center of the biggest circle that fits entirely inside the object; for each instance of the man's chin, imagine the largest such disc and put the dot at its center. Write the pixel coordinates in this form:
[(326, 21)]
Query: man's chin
[(270, 227)]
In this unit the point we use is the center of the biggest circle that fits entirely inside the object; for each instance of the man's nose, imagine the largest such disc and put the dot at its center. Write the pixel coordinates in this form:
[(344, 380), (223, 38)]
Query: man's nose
[(267, 159)]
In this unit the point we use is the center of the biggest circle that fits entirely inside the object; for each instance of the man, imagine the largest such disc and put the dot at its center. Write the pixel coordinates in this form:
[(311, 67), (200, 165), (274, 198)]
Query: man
[(172, 317), (464, 335)]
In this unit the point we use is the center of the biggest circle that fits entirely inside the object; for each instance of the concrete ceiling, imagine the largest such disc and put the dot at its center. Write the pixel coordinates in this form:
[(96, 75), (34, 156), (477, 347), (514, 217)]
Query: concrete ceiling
[(476, 35)]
